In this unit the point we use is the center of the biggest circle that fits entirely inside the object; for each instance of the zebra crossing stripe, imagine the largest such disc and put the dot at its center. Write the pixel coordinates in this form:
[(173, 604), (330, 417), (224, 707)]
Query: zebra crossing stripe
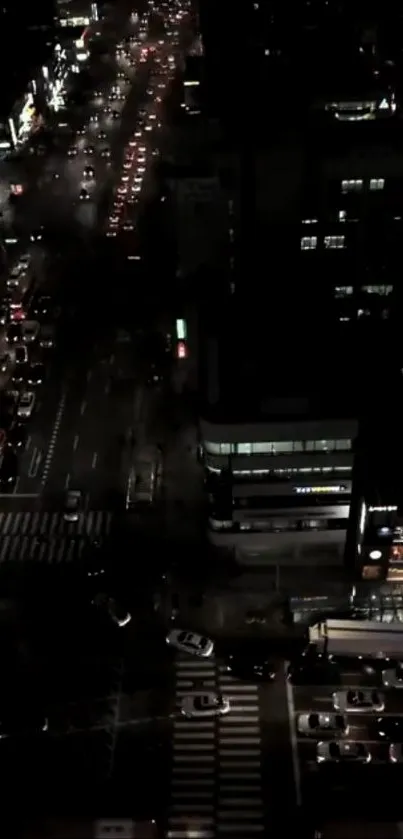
[(46, 537)]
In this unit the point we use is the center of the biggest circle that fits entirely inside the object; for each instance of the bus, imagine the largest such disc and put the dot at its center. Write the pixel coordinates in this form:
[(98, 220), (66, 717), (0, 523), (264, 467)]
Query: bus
[(142, 484)]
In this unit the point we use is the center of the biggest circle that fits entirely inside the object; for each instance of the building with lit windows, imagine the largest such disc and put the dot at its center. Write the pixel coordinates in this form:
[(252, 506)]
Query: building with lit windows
[(75, 13), (278, 426)]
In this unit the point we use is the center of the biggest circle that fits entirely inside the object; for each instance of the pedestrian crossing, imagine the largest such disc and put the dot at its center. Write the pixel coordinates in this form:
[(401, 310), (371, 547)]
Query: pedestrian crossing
[(46, 537), (216, 786)]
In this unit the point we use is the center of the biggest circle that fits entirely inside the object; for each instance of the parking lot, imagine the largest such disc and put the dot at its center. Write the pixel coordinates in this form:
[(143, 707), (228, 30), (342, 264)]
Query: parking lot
[(364, 790)]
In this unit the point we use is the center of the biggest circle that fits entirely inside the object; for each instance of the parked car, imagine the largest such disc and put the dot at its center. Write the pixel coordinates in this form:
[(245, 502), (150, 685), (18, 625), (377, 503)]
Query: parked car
[(190, 642)]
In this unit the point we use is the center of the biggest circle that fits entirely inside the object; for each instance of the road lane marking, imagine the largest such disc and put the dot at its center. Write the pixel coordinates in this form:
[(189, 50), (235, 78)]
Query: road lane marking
[(17, 483), (94, 460), (53, 439), (35, 463), (293, 736), (28, 443), (89, 374), (76, 441), (107, 388), (83, 407), (67, 481)]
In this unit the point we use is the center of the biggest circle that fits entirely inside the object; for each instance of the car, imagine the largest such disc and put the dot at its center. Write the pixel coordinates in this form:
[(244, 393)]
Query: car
[(315, 724), (102, 135), (72, 152), (4, 362), (30, 331), (26, 404), (17, 312), (81, 131), (8, 469), (396, 752), (393, 676), (13, 279), (106, 153), (14, 333), (115, 610), (127, 165), (21, 355), (19, 373), (72, 505), (84, 195), (36, 374), (3, 315), (115, 115), (190, 642), (306, 671), (387, 728), (247, 661), (106, 110), (17, 435), (128, 226), (42, 305), (201, 705), (342, 751), (47, 336), (94, 118), (358, 701), (112, 96), (89, 172)]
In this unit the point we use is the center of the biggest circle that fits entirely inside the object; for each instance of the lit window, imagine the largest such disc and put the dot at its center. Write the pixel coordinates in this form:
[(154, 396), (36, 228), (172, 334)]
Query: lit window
[(309, 221), (309, 243), (335, 242), (376, 184), (342, 215), (352, 185), (343, 290), (382, 290), (244, 448)]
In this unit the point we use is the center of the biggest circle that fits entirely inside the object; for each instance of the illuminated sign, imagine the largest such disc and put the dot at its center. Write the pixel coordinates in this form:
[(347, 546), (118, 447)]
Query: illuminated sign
[(181, 330), (320, 489), (75, 21), (387, 509)]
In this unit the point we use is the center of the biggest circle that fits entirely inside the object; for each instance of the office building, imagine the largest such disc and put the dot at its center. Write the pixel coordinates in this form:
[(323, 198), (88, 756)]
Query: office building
[(278, 426), (75, 13)]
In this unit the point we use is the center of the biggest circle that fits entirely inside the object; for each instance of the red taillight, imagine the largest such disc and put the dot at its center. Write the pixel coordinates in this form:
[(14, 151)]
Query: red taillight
[(181, 350)]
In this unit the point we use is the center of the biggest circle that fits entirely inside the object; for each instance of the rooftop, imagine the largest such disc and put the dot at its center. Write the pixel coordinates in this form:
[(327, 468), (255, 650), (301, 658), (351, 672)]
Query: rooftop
[(258, 366)]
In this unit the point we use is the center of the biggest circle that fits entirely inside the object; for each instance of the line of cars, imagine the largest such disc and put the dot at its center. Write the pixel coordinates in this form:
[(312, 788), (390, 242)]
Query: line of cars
[(28, 324), (363, 718), (139, 152)]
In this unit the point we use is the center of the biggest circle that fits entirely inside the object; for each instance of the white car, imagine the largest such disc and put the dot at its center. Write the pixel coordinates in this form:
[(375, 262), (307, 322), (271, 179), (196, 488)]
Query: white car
[(72, 505), (317, 724), (358, 701), (205, 705), (26, 404), (393, 677), (190, 642), (4, 359), (342, 751)]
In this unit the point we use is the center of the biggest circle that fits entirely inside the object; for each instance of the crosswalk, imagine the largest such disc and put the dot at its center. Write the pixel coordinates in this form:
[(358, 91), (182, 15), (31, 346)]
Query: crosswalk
[(46, 537), (216, 786)]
